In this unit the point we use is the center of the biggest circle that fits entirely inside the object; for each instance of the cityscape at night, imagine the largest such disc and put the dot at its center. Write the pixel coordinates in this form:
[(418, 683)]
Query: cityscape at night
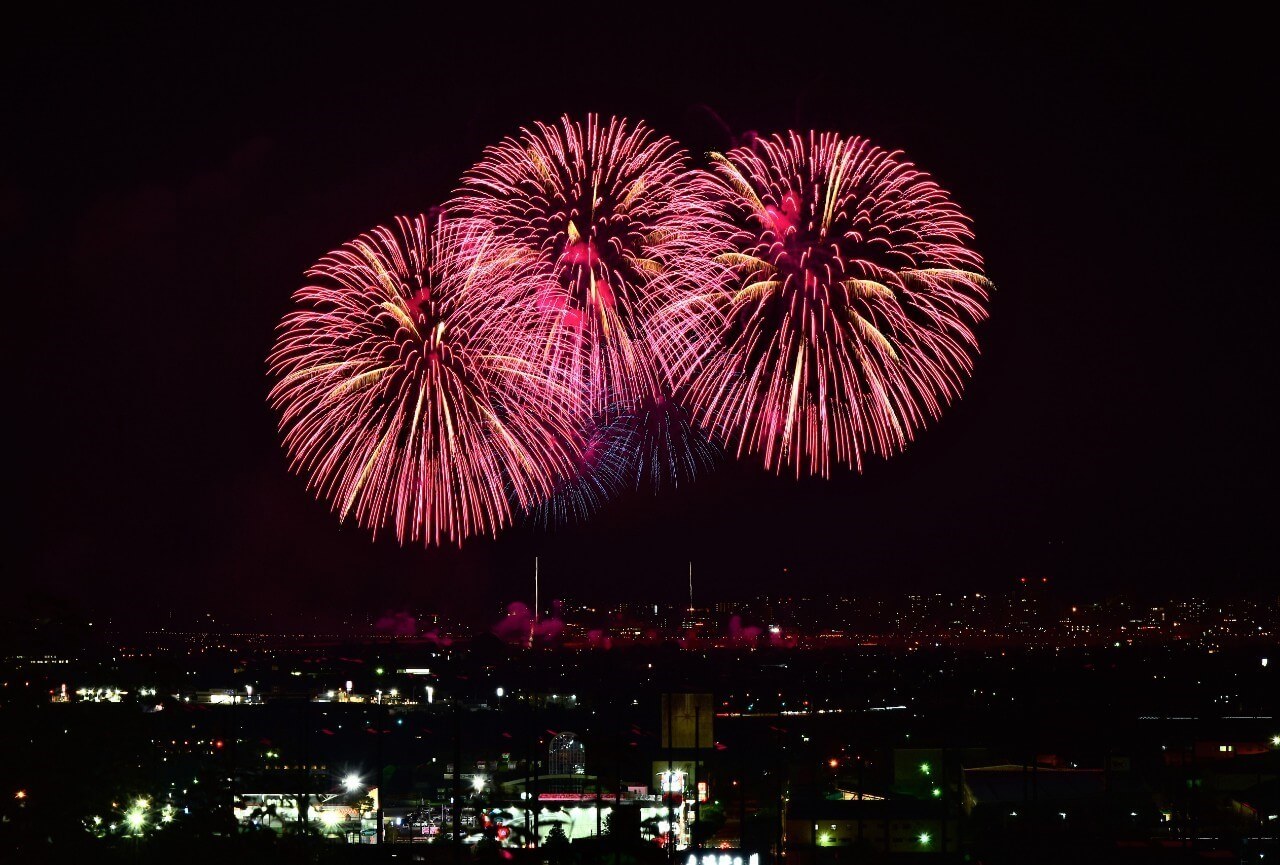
[(810, 434), (802, 728)]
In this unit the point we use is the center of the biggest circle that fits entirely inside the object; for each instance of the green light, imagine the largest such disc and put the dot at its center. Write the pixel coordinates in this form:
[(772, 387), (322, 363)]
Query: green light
[(937, 792), (924, 839), (379, 671), (925, 769), (824, 838)]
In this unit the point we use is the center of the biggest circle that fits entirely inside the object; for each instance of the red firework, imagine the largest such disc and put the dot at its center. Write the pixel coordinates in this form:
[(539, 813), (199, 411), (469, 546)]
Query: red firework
[(611, 209), (842, 319), (416, 381)]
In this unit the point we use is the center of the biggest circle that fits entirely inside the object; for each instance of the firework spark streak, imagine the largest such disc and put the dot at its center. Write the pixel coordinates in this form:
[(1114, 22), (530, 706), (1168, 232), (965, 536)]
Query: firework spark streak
[(841, 322), (416, 381), (612, 209)]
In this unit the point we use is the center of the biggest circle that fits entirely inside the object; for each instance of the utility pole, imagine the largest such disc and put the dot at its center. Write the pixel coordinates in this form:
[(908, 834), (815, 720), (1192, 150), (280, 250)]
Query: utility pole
[(457, 774), (697, 761), (670, 780), (382, 722)]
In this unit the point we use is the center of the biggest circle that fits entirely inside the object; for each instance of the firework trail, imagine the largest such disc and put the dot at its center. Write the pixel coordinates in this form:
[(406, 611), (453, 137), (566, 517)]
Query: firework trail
[(417, 382), (611, 208), (841, 322)]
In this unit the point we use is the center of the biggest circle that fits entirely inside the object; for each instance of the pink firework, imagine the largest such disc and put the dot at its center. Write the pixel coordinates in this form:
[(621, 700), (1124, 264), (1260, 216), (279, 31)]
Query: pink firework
[(615, 213), (611, 209), (413, 381), (842, 321)]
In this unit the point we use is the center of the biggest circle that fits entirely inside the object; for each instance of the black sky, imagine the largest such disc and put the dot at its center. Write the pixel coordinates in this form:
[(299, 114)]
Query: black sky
[(171, 172)]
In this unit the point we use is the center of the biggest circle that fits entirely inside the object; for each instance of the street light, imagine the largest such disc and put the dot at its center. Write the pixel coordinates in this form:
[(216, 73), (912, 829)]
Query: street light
[(352, 782), (478, 783)]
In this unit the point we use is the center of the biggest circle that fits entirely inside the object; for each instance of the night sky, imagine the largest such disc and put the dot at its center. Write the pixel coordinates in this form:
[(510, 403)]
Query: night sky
[(171, 173)]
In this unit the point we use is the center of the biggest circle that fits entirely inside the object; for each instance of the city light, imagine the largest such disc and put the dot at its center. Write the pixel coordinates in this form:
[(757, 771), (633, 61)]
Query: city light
[(351, 782), (21, 794), (136, 820), (478, 783), (500, 692), (937, 791), (924, 839), (925, 769), (1275, 741), (330, 819)]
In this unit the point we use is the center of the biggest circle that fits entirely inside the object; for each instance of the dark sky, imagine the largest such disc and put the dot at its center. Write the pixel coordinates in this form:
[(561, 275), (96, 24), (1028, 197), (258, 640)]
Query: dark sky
[(170, 174)]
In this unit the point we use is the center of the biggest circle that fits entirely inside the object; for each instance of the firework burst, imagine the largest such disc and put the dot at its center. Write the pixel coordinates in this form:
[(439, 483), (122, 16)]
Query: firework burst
[(416, 381), (841, 322), (612, 210), (652, 447)]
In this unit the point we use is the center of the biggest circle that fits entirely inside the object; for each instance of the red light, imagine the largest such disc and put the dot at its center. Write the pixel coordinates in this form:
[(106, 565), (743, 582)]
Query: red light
[(502, 833), (217, 743)]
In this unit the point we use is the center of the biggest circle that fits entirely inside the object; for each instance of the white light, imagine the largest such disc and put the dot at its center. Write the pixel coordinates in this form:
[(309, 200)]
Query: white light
[(478, 783), (351, 782), (501, 692), (431, 694), (330, 818)]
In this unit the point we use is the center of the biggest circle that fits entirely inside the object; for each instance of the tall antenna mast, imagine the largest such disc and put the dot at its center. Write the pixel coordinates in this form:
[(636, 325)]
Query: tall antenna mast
[(533, 625)]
